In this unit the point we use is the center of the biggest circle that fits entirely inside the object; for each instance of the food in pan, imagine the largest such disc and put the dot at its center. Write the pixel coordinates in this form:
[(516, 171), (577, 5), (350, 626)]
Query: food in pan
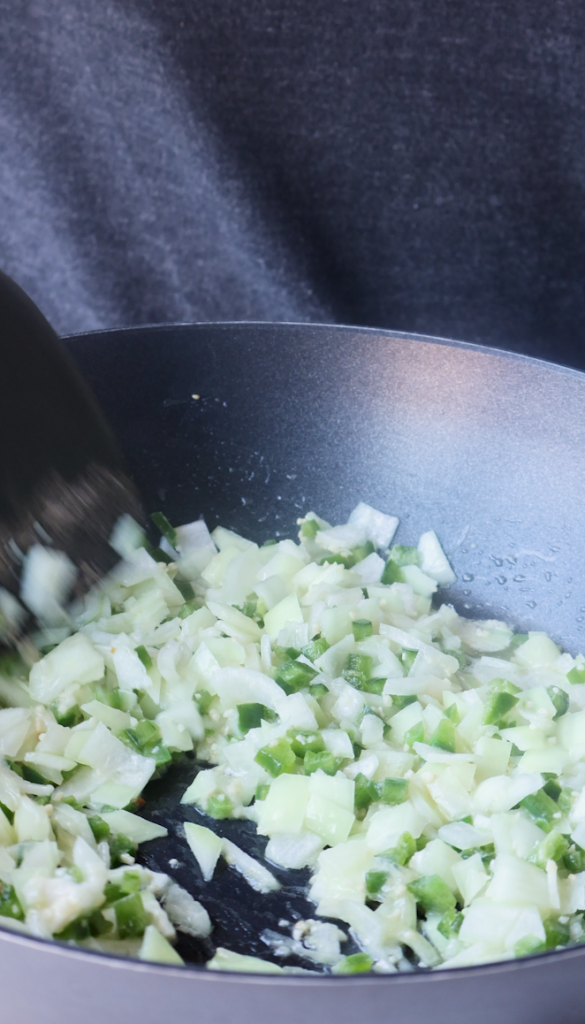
[(427, 768)]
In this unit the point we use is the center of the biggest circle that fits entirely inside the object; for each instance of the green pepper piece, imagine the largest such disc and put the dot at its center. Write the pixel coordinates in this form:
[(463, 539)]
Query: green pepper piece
[(285, 653), (94, 924), (405, 848), (73, 716), (129, 883), (276, 758), (557, 934), (219, 806), (433, 894), (574, 859), (402, 700), (160, 556), (541, 808), (145, 738), (112, 698), (458, 654), (318, 690), (408, 659), (487, 853), (553, 847), (131, 917), (113, 892), (71, 802), (374, 881), (249, 607), (497, 706), (529, 945), (405, 555), (301, 742), (309, 528), (553, 789), (7, 812), (322, 759), (560, 699), (450, 923), (120, 845), (566, 800), (250, 716), (144, 656), (577, 674), (262, 791), (205, 700), (185, 589), (161, 522), (294, 676), (345, 560), (362, 628), (392, 573), (452, 713), (365, 792), (9, 903), (358, 669), (374, 685), (393, 791), (416, 734), (188, 608), (27, 772), (98, 924), (355, 963), (503, 686), (362, 551), (444, 736), (400, 555), (142, 735), (315, 648), (99, 827)]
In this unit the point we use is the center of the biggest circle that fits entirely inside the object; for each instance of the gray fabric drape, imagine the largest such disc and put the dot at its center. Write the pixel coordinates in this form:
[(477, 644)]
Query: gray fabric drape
[(415, 165)]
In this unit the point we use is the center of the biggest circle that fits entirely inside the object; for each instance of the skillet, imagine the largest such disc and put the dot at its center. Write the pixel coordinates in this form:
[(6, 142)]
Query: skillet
[(252, 425)]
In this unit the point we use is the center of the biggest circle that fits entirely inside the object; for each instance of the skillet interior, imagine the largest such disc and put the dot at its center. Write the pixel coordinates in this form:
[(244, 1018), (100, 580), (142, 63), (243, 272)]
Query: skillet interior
[(292, 419), (486, 447)]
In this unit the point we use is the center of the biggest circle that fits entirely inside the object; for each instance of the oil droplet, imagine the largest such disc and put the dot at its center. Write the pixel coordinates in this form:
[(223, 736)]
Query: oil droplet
[(466, 593), (497, 561), (531, 604), (500, 579), (579, 618), (548, 576), (519, 579), (467, 578)]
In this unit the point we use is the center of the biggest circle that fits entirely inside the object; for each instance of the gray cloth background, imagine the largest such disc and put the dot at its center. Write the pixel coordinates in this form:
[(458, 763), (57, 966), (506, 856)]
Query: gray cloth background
[(411, 164)]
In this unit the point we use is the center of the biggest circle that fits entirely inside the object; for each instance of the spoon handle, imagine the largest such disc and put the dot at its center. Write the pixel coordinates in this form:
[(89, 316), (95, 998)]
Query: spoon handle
[(62, 478)]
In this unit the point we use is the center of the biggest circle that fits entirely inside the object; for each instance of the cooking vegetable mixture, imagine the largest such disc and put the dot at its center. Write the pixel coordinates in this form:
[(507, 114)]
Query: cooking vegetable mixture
[(429, 769)]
